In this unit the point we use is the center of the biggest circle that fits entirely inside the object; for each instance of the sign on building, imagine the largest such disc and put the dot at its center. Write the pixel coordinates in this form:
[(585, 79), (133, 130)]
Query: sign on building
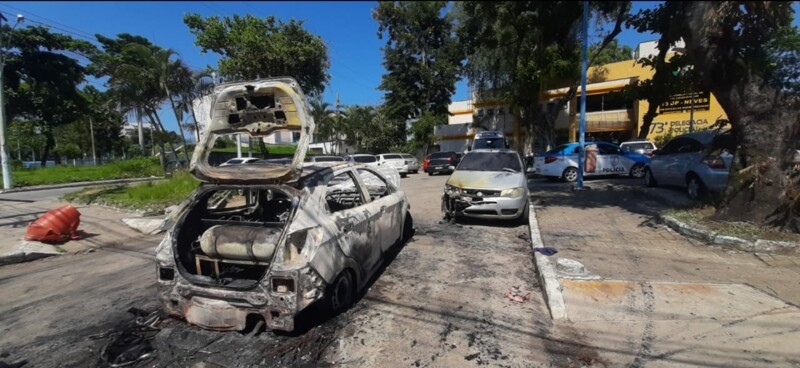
[(684, 102)]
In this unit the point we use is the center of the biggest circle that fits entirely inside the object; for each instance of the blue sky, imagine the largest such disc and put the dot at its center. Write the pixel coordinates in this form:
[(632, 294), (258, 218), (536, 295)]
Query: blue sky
[(347, 28)]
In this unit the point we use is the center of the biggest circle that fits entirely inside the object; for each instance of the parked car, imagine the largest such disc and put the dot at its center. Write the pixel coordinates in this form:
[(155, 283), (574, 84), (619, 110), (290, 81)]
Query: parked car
[(240, 161), (700, 162), (411, 161), (395, 160), (264, 242), (489, 139), (442, 162), (644, 147), (326, 159), (562, 161), (488, 183), (369, 160)]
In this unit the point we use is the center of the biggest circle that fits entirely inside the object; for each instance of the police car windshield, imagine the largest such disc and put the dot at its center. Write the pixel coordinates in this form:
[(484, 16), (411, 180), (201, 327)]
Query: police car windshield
[(490, 161), (488, 143)]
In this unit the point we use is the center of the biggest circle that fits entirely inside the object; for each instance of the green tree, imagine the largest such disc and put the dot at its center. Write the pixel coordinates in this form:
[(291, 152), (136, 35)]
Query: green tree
[(41, 81), (611, 53), (517, 49), (421, 56), (737, 50), (253, 48), (324, 117)]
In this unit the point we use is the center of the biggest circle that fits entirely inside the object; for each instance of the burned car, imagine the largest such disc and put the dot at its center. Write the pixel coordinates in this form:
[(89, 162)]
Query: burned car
[(264, 242)]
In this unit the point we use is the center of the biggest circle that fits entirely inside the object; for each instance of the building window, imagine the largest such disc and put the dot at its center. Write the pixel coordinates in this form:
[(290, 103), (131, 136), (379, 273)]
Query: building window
[(489, 112), (480, 112), (500, 111), (608, 102), (295, 137)]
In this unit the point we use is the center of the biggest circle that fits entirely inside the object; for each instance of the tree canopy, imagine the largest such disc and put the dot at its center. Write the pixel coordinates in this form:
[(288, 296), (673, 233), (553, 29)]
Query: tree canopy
[(253, 47), (421, 57)]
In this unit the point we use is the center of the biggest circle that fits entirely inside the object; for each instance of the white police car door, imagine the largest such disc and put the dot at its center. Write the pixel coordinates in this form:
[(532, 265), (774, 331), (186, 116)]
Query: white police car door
[(610, 161)]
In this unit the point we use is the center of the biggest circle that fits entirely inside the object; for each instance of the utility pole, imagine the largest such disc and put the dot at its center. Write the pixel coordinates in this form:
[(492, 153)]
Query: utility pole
[(337, 134), (4, 158), (584, 66), (91, 131)]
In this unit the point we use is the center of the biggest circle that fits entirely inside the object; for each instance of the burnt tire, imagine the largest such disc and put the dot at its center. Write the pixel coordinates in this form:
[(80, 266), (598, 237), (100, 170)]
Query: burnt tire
[(340, 294), (408, 228)]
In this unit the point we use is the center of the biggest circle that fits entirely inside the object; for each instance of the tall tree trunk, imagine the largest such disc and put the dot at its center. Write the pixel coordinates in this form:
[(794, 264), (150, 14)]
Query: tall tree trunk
[(647, 119), (765, 123), (50, 142), (178, 119)]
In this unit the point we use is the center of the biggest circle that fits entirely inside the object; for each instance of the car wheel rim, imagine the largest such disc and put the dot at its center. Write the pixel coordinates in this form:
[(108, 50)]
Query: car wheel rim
[(637, 171), (341, 292), (571, 174), (693, 188)]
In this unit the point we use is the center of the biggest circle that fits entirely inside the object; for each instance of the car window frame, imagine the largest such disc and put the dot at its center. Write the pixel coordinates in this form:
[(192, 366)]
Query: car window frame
[(358, 185)]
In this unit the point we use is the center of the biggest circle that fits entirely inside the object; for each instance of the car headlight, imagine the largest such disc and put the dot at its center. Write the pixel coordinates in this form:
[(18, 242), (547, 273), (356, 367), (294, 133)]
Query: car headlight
[(513, 192), (452, 191)]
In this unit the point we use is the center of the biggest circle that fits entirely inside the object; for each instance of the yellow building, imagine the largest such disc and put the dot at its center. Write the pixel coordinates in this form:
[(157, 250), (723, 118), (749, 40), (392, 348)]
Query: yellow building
[(609, 117)]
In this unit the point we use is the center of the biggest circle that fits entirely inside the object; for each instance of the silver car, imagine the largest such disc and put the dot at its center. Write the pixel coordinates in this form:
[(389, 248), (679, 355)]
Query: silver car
[(700, 162), (260, 243), (412, 162), (487, 183)]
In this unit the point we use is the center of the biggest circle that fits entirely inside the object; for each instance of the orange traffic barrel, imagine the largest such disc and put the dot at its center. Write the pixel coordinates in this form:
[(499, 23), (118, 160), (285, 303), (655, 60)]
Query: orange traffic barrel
[(55, 226)]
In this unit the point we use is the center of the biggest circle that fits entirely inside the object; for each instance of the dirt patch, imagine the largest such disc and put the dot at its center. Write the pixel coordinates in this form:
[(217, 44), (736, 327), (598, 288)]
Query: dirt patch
[(705, 217)]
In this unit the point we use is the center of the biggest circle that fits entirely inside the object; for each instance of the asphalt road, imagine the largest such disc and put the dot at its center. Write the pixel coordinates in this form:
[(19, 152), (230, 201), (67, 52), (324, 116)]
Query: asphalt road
[(442, 301)]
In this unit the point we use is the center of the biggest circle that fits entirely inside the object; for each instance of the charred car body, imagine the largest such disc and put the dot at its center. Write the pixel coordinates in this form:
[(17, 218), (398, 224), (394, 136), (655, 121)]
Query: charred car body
[(263, 242)]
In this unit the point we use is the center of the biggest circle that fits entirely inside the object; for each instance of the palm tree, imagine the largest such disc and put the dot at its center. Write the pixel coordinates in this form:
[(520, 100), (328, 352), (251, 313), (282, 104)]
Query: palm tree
[(328, 121), (173, 76)]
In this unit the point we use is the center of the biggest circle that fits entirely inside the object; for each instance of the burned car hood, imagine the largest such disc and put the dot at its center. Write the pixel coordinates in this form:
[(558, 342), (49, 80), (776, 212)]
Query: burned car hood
[(255, 109), (489, 180)]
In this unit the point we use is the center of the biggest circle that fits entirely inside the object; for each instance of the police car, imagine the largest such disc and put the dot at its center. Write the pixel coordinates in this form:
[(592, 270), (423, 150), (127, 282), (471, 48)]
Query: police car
[(601, 159)]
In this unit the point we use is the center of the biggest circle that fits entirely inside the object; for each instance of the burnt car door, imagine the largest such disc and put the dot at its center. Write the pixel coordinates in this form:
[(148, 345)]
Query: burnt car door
[(385, 208), (346, 202)]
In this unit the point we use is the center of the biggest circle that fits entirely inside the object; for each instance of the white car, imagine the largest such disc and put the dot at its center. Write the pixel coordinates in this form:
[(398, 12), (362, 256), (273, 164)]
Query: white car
[(395, 160), (602, 159), (361, 158), (240, 161), (413, 164)]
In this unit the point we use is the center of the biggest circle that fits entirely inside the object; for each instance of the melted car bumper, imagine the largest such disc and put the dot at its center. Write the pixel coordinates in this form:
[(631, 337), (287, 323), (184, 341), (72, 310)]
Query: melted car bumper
[(277, 301), (490, 207)]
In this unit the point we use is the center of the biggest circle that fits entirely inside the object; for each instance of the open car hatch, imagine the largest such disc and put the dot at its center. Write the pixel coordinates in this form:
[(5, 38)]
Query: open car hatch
[(256, 109)]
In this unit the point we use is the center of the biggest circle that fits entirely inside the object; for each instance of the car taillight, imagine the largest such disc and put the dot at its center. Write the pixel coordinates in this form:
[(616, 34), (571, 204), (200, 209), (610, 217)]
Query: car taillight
[(550, 159), (449, 159), (714, 162)]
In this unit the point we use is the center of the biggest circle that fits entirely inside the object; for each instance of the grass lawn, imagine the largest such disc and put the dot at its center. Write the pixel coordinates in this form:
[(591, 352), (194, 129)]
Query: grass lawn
[(126, 169), (743, 230), (151, 197)]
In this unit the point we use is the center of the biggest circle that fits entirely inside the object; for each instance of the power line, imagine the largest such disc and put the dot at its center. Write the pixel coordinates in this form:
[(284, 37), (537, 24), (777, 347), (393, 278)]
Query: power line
[(49, 20)]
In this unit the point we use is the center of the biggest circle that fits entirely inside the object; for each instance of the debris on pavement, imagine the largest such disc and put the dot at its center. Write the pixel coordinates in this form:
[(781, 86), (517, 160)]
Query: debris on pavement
[(56, 226), (548, 251), (131, 344), (516, 295)]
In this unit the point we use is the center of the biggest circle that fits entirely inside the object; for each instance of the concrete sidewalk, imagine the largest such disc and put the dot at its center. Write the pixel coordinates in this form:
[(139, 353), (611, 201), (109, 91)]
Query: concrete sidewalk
[(645, 295), (99, 227)]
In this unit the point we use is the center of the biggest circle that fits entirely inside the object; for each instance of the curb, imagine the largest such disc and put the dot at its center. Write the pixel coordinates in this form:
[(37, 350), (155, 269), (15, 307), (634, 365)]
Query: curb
[(711, 237), (78, 184), (547, 274)]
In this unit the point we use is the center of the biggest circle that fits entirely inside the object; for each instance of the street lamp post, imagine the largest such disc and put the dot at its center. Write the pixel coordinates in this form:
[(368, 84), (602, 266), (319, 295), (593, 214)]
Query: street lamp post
[(91, 131), (584, 66), (4, 158)]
